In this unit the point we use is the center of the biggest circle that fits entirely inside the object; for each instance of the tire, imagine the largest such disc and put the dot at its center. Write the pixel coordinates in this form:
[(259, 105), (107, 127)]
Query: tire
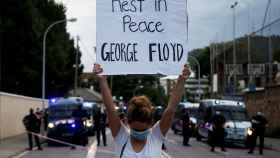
[(210, 137), (198, 136), (247, 142)]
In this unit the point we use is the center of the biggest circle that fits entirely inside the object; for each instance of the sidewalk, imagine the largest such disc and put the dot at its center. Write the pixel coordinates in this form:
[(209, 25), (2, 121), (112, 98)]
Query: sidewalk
[(272, 143), (12, 146)]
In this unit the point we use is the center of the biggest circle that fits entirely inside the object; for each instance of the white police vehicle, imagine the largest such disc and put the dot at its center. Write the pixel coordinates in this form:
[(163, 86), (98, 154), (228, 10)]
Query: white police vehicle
[(237, 126)]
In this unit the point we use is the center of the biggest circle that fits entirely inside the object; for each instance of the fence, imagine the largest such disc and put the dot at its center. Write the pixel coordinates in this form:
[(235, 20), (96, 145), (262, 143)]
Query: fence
[(12, 110), (268, 102), (256, 48)]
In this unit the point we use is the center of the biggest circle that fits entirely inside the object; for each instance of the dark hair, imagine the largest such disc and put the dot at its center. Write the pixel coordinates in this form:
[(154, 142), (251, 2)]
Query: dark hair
[(140, 109)]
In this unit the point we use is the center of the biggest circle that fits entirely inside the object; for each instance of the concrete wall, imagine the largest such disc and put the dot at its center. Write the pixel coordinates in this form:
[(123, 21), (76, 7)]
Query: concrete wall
[(12, 110), (268, 102)]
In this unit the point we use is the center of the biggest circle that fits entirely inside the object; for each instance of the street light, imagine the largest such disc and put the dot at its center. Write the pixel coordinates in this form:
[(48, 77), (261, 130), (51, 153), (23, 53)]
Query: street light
[(234, 45), (44, 55), (198, 65)]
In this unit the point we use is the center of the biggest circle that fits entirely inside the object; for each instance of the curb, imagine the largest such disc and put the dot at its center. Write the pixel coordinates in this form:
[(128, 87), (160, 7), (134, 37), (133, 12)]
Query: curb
[(17, 153), (24, 150)]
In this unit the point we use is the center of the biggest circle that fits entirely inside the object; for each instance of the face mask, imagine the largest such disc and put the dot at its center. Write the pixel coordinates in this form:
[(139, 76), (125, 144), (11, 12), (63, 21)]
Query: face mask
[(139, 135)]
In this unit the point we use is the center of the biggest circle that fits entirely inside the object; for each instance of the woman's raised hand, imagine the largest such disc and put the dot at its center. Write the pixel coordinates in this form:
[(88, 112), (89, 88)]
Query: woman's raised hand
[(185, 73), (97, 70)]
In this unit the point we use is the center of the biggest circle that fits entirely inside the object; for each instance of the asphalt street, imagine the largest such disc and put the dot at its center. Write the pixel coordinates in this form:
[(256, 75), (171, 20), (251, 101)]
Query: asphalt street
[(174, 150)]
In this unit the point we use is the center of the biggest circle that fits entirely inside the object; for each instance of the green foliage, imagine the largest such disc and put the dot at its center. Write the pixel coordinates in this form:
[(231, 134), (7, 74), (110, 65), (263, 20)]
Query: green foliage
[(127, 86), (23, 24), (203, 56)]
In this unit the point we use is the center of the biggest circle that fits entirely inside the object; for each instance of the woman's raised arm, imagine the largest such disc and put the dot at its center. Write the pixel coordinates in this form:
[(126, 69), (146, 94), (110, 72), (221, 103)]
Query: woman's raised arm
[(176, 95), (113, 118)]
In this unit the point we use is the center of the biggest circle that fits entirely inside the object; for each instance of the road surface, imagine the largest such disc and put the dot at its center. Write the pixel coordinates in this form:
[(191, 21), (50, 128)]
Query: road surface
[(174, 150)]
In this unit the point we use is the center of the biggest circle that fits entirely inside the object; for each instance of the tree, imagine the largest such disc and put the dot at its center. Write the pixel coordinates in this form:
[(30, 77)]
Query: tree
[(126, 86), (22, 28), (203, 57)]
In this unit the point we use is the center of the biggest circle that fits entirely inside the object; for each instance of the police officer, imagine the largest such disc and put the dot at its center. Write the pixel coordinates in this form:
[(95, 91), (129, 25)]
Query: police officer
[(46, 119), (100, 125), (218, 135), (39, 116), (259, 123), (186, 127), (32, 125)]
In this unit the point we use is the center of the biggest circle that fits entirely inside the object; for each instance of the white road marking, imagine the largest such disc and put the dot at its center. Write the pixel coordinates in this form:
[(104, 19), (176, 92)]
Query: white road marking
[(106, 151), (21, 154), (24, 153), (92, 150), (164, 154), (171, 141)]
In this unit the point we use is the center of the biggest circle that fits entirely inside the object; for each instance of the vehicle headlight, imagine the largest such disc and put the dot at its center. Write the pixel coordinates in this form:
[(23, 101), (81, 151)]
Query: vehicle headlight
[(51, 125), (63, 121), (193, 120), (70, 121), (249, 131), (57, 123), (88, 123)]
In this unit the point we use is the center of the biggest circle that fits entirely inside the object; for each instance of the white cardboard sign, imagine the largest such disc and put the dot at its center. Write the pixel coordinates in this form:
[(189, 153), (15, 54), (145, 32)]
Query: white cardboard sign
[(141, 36)]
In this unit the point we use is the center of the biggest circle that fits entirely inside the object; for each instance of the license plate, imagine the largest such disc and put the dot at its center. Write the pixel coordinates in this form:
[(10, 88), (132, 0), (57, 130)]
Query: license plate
[(67, 134)]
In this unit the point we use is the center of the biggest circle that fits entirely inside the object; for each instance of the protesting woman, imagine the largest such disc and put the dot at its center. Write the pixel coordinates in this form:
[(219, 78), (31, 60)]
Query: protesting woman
[(140, 138)]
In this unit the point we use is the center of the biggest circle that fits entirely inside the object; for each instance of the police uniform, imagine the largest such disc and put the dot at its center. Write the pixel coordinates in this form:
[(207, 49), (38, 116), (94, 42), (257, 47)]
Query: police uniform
[(185, 128), (218, 135), (32, 124), (258, 124)]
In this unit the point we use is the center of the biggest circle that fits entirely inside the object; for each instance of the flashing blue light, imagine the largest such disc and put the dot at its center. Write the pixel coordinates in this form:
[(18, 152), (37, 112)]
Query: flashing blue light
[(73, 125), (53, 100)]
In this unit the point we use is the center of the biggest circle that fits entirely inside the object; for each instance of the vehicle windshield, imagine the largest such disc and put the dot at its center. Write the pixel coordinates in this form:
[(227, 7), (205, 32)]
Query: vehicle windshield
[(233, 113), (193, 112), (61, 111), (239, 115)]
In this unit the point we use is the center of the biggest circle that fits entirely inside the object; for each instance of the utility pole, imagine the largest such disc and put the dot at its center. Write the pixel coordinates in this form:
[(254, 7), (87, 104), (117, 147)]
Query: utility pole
[(270, 60), (76, 68), (224, 61), (234, 46), (270, 49), (211, 67), (249, 46), (1, 56)]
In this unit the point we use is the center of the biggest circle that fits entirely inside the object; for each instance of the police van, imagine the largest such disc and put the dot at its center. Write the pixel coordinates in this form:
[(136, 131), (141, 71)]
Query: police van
[(61, 124), (237, 126)]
